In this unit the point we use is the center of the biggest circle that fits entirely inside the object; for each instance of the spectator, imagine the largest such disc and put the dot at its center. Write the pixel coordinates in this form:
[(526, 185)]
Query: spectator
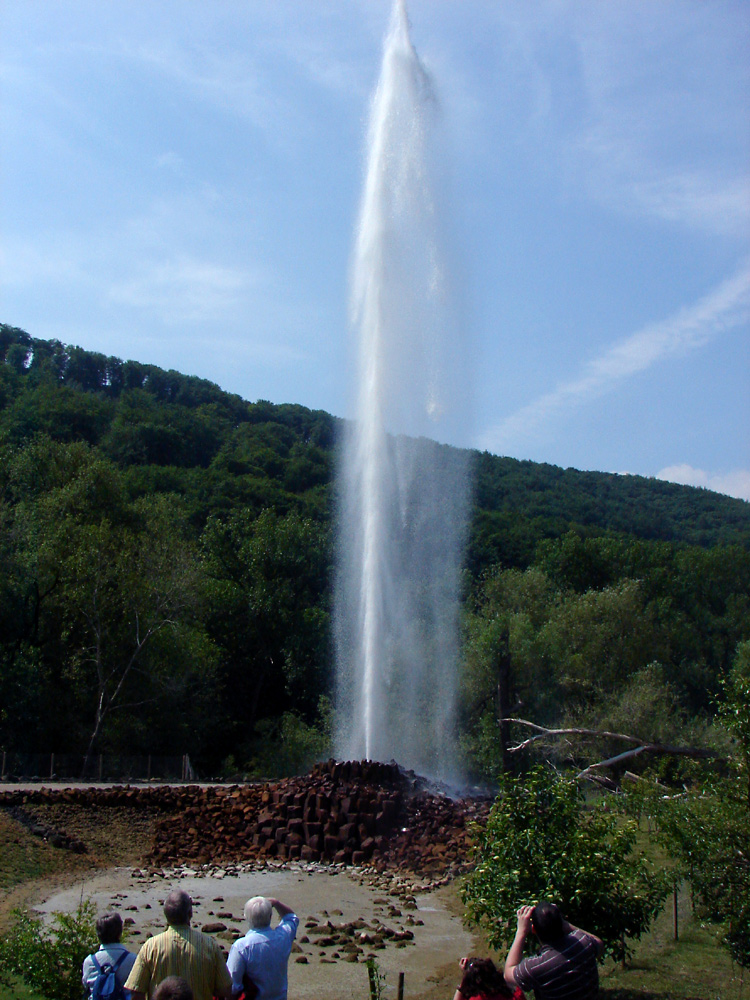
[(262, 955), (180, 951), (483, 981), (566, 967), (111, 953)]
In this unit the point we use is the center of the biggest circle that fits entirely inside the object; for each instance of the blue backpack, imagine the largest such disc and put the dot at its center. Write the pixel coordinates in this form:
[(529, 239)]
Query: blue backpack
[(106, 985)]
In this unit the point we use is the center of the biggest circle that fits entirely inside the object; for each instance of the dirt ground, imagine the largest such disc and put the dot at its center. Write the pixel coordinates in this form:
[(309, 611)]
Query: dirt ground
[(110, 875)]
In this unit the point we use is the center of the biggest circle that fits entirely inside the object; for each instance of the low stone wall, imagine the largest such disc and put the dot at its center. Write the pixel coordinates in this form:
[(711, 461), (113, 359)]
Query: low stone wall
[(351, 812)]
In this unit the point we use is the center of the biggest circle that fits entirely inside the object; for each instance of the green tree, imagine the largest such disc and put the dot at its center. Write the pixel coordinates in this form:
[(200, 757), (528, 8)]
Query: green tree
[(126, 587), (594, 641), (115, 593), (546, 654), (542, 842), (708, 828), (503, 666), (269, 613)]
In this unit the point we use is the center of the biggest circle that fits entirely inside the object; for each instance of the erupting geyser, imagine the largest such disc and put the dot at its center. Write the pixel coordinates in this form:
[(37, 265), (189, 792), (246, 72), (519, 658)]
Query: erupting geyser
[(403, 499)]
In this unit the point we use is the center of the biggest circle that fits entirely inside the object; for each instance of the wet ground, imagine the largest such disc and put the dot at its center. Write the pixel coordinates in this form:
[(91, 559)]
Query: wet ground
[(423, 936)]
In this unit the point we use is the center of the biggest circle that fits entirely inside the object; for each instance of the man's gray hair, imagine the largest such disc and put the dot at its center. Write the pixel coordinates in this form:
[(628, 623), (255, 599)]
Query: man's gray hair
[(258, 911), (178, 908)]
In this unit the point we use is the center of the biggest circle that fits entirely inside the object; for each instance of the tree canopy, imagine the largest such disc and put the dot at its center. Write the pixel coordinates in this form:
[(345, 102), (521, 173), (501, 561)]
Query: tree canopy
[(165, 582)]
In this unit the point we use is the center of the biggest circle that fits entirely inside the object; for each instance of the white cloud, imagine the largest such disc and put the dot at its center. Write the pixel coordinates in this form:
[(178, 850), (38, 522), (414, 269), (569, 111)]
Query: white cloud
[(735, 483), (707, 202), (26, 263), (689, 329), (657, 100), (183, 289), (171, 161)]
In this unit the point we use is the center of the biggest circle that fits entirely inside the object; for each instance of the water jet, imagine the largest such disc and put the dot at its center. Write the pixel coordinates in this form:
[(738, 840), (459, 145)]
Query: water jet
[(403, 497)]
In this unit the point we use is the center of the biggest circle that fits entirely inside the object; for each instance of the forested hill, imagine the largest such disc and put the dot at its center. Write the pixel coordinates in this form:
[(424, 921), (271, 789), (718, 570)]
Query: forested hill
[(166, 555), (182, 434)]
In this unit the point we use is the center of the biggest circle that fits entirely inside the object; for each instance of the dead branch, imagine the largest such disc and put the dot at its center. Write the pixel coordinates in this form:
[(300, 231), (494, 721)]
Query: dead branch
[(639, 747)]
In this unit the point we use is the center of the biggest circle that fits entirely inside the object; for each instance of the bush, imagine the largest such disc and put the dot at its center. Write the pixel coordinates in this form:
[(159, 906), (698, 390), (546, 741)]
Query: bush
[(49, 958), (542, 842)]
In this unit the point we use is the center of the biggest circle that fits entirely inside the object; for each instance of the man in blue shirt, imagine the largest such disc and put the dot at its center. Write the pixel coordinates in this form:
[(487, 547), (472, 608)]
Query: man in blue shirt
[(263, 953)]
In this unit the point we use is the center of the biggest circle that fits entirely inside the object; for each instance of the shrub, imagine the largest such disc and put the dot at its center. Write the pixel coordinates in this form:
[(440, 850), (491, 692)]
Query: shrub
[(542, 842), (48, 958)]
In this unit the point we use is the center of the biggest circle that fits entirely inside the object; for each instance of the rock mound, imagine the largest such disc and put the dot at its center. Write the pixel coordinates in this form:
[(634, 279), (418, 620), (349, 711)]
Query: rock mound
[(350, 813)]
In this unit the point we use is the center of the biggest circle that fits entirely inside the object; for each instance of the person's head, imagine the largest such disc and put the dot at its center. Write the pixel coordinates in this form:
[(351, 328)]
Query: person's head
[(482, 978), (109, 928), (173, 988), (258, 911), (178, 908), (547, 922)]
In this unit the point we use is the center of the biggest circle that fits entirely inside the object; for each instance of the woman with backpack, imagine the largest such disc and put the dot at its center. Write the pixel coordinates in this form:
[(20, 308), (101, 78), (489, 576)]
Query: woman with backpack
[(104, 972)]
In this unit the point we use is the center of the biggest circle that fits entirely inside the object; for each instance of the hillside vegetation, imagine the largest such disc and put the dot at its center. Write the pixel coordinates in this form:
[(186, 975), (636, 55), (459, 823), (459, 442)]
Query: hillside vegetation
[(167, 562)]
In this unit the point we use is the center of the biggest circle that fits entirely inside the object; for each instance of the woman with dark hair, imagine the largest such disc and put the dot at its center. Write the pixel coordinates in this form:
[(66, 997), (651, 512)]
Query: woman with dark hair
[(482, 980), (112, 955), (173, 988)]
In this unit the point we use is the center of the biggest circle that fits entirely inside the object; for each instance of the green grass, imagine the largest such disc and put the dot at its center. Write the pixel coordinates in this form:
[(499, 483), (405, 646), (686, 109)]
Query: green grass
[(24, 857), (695, 966), (17, 991)]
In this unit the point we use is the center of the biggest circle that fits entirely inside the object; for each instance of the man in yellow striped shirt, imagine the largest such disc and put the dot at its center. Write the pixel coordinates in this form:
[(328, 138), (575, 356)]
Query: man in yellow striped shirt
[(180, 951)]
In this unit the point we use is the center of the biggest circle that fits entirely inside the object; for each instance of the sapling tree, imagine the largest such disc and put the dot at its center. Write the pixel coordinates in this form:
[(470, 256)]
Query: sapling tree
[(708, 829), (541, 841)]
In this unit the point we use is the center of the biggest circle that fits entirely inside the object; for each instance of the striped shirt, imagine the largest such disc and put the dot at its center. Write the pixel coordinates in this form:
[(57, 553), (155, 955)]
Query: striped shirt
[(181, 951), (564, 971)]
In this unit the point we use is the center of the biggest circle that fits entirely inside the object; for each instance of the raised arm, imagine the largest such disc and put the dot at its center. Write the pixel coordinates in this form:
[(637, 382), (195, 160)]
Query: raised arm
[(281, 908), (516, 949)]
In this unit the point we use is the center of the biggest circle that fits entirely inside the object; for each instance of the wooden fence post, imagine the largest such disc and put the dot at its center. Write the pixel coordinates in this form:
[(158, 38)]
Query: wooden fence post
[(401, 986)]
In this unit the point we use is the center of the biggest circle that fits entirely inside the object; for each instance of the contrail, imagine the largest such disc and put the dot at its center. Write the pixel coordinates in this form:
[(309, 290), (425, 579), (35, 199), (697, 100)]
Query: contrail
[(692, 327)]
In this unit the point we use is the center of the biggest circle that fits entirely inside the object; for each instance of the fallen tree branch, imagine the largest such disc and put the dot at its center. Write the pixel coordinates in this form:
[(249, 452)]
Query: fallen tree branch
[(543, 731), (638, 745)]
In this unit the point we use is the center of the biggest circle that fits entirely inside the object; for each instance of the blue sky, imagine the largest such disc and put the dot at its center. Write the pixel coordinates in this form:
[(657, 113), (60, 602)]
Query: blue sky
[(179, 184)]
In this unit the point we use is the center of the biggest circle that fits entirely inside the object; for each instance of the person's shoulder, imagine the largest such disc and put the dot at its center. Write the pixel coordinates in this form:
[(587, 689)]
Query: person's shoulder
[(198, 935), (584, 937), (154, 941), (580, 942), (113, 952)]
